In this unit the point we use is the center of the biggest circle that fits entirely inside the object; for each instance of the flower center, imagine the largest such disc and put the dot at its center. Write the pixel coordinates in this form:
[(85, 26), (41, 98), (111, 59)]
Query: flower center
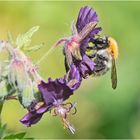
[(73, 43), (63, 110)]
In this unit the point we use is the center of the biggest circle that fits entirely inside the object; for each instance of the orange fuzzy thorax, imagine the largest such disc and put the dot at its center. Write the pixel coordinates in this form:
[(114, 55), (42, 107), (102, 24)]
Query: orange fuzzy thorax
[(113, 47)]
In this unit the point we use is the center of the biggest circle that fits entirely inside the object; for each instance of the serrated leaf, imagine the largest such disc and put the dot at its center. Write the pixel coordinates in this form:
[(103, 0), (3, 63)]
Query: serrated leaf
[(2, 130), (15, 136), (34, 48), (24, 40)]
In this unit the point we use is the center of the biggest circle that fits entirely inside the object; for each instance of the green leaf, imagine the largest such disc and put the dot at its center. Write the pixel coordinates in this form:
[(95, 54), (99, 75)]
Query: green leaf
[(24, 40), (15, 136), (2, 130), (34, 48)]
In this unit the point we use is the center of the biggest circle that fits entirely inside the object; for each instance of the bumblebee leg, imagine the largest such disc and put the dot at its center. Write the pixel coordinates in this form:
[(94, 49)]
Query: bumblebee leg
[(92, 56)]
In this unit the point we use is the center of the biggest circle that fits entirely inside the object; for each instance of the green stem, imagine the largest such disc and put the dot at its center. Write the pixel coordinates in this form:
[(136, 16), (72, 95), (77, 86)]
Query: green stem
[(1, 106), (45, 55)]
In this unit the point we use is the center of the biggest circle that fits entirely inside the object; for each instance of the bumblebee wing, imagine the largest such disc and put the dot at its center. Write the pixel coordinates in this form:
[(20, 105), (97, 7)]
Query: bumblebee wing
[(114, 75)]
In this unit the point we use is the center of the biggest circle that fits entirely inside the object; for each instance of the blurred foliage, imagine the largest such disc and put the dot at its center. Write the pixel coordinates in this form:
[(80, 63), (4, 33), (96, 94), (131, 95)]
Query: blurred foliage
[(102, 112), (4, 135)]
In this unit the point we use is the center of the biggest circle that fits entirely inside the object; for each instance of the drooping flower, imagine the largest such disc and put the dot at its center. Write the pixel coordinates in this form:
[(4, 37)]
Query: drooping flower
[(23, 76), (75, 45), (85, 65), (54, 93), (18, 75)]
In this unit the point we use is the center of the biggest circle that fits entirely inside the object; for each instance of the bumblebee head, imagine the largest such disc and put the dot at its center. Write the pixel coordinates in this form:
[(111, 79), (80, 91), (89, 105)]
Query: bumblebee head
[(106, 42), (101, 43), (113, 47)]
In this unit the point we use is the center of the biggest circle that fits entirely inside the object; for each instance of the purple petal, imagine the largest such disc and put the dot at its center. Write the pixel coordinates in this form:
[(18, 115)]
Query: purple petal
[(30, 119), (43, 109), (74, 73), (54, 90), (86, 15), (95, 32), (86, 66), (74, 77)]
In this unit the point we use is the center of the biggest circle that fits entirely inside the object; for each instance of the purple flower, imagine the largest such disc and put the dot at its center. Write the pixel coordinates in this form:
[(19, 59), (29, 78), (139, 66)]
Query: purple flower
[(75, 49), (54, 93), (87, 15), (75, 46)]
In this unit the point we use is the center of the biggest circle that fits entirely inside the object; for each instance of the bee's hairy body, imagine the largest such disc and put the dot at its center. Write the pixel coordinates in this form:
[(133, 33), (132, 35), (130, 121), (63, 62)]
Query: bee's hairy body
[(103, 62), (106, 52)]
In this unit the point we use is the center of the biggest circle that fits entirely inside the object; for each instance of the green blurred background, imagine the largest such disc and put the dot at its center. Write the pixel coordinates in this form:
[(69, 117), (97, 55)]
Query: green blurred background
[(102, 111)]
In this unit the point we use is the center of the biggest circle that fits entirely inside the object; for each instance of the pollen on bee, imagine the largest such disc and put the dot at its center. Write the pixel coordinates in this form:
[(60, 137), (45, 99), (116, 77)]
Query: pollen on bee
[(90, 44), (113, 47)]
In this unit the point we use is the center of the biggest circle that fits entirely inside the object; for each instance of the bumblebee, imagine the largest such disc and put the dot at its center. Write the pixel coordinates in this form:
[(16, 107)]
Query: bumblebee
[(104, 55)]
